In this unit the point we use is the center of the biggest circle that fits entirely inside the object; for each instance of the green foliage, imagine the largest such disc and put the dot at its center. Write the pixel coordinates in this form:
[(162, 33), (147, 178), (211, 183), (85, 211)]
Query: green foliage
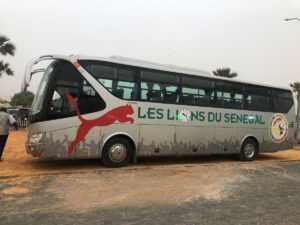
[(22, 99), (6, 48), (225, 72)]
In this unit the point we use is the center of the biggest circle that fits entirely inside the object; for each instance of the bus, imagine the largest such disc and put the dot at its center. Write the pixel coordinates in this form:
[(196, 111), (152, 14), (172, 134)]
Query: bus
[(119, 109)]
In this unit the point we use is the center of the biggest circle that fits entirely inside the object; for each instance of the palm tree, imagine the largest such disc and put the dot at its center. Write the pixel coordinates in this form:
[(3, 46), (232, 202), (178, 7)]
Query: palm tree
[(225, 72), (6, 48)]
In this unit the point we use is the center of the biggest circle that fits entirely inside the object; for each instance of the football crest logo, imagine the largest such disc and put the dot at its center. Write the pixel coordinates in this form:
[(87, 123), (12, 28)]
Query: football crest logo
[(279, 128)]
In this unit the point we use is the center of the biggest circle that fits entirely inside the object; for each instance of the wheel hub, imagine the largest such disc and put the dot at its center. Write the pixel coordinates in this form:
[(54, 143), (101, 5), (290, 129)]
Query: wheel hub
[(117, 153), (249, 150)]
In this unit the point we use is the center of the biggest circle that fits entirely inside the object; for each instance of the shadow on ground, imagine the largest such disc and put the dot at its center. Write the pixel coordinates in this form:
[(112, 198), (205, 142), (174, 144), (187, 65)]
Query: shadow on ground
[(148, 161)]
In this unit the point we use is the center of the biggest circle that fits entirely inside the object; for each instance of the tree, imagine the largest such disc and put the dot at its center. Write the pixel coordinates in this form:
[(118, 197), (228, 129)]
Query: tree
[(6, 48), (22, 99), (225, 72), (4, 103)]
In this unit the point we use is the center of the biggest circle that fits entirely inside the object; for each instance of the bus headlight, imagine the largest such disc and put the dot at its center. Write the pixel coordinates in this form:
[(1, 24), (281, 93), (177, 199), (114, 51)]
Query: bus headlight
[(35, 138)]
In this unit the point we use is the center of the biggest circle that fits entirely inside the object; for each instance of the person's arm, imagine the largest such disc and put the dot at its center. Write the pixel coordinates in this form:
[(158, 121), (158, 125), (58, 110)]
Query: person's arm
[(12, 120)]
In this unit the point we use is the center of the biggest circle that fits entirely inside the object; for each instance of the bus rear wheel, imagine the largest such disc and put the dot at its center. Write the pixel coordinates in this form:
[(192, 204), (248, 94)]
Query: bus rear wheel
[(249, 150), (117, 152)]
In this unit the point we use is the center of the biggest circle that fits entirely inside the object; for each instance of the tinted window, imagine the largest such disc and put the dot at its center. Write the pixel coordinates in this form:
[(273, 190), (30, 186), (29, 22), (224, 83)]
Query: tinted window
[(258, 98), (229, 95), (126, 84), (102, 72), (121, 81), (197, 91), (159, 87), (282, 100), (108, 83), (162, 77), (151, 85)]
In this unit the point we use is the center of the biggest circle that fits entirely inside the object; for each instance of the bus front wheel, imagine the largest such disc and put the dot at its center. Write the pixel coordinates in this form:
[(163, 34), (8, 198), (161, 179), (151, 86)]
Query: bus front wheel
[(117, 152), (249, 150)]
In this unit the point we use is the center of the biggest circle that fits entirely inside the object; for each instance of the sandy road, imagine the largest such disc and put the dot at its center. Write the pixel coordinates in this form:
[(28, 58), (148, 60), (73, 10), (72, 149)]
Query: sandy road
[(206, 190), (182, 194), (18, 163)]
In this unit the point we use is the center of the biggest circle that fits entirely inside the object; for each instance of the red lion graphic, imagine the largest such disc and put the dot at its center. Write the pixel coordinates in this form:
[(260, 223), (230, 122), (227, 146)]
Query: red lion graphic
[(120, 114)]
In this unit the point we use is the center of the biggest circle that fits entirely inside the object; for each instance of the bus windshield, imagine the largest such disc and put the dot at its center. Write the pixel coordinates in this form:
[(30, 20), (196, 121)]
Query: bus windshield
[(41, 93)]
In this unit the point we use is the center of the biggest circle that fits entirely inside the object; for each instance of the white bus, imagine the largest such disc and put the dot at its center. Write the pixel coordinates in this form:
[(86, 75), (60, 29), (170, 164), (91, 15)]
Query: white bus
[(118, 109)]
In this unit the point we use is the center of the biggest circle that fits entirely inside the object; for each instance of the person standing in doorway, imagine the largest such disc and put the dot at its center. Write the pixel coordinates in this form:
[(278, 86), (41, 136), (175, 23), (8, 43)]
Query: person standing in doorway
[(5, 121)]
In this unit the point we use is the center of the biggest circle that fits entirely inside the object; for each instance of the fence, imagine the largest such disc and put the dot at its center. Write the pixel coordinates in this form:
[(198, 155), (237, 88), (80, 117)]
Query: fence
[(22, 122), (21, 115)]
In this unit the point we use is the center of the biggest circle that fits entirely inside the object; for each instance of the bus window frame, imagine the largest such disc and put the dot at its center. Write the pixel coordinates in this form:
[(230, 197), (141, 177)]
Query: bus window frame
[(157, 81), (179, 84)]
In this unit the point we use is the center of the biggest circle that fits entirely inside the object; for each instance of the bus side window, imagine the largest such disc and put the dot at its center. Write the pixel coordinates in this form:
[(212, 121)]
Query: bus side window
[(107, 83), (104, 73), (159, 86), (188, 95), (229, 95), (144, 91), (151, 91), (88, 99), (126, 90), (119, 80), (197, 91), (170, 93), (258, 98), (126, 85), (282, 100)]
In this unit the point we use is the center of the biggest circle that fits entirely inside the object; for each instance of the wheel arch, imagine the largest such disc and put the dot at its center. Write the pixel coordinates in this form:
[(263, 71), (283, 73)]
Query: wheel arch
[(250, 136), (123, 135)]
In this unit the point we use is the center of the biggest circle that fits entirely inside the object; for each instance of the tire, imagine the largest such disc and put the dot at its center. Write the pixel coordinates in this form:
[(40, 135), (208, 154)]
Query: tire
[(249, 150), (117, 152)]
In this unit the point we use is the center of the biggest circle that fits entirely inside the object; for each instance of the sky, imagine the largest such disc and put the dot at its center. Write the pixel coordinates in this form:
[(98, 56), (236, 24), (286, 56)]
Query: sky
[(248, 36)]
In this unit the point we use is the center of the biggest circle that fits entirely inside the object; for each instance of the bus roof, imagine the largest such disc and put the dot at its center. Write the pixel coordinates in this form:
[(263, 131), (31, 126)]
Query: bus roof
[(170, 68)]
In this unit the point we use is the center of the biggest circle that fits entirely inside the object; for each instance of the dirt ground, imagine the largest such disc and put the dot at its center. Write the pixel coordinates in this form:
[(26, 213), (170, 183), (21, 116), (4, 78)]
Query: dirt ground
[(181, 194), (206, 190), (16, 162)]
